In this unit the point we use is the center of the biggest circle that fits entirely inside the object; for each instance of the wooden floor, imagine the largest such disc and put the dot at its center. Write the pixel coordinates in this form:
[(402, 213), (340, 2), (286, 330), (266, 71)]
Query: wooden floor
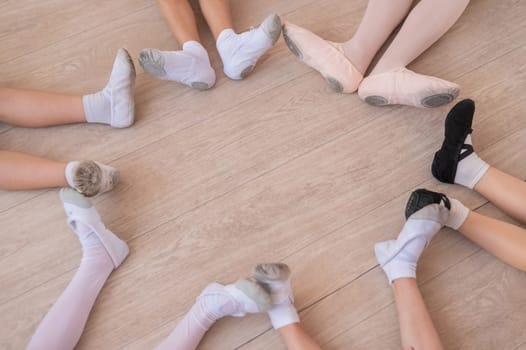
[(273, 168)]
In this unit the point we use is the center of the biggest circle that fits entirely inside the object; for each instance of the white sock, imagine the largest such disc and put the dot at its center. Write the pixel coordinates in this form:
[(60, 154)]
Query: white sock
[(240, 52), (114, 105), (457, 214), (399, 257), (470, 169), (190, 66)]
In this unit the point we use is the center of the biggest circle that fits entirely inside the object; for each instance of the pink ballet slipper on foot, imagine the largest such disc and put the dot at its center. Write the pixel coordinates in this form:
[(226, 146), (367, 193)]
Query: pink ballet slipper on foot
[(404, 87), (324, 56)]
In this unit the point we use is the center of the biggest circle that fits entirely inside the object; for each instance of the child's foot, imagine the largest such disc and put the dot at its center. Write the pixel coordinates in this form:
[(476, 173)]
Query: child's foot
[(91, 178), (115, 104), (276, 278), (189, 66), (217, 301), (404, 87), (456, 161), (85, 221), (428, 212), (240, 52), (326, 57)]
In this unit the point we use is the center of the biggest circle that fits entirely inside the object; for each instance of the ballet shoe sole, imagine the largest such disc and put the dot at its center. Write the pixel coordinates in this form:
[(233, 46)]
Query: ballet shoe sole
[(152, 62), (334, 83), (200, 86), (432, 101), (437, 100)]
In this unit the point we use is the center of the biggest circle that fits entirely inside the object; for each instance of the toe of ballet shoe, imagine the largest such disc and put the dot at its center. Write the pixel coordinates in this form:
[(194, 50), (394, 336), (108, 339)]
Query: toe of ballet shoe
[(422, 198), (272, 27), (324, 56)]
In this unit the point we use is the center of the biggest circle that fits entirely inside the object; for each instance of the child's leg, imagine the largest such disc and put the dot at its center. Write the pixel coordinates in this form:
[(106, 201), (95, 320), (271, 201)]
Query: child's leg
[(505, 191), (181, 19), (113, 105), (295, 338), (457, 162), (215, 302), (283, 315), (380, 19), (217, 14), (426, 213), (344, 64), (416, 327), (191, 65), (504, 240), (390, 82), (63, 325), (34, 109), (425, 24), (17, 172)]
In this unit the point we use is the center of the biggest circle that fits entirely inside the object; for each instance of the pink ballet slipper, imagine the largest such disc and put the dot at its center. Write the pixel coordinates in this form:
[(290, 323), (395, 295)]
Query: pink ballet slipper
[(324, 56), (404, 87)]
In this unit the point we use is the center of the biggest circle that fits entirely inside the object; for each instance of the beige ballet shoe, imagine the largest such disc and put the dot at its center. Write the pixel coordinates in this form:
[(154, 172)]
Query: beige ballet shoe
[(324, 56), (404, 87)]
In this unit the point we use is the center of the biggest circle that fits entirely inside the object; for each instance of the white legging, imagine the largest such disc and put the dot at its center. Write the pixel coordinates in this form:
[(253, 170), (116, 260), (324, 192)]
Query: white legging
[(62, 326)]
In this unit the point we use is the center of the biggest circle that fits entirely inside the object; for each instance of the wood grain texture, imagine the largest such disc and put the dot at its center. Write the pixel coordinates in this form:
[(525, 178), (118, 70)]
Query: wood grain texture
[(273, 168)]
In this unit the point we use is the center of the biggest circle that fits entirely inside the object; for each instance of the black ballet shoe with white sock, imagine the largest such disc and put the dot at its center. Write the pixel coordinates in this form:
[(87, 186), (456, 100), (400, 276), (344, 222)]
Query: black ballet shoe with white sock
[(421, 198), (456, 161), (453, 150)]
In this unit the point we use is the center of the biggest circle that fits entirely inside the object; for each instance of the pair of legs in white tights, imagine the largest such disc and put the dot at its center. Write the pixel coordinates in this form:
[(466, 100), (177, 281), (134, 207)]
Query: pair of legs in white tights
[(268, 290), (344, 64), (114, 105), (191, 65), (427, 212)]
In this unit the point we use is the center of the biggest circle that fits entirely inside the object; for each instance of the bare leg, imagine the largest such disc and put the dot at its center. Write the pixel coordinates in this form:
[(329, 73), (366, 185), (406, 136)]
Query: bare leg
[(29, 108), (217, 14), (506, 241), (17, 172), (505, 191), (416, 327), (426, 23), (181, 19), (296, 339), (379, 21)]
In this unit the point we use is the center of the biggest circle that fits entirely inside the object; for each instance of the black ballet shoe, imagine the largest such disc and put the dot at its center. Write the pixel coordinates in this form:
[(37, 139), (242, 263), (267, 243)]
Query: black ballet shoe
[(453, 150), (422, 198)]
